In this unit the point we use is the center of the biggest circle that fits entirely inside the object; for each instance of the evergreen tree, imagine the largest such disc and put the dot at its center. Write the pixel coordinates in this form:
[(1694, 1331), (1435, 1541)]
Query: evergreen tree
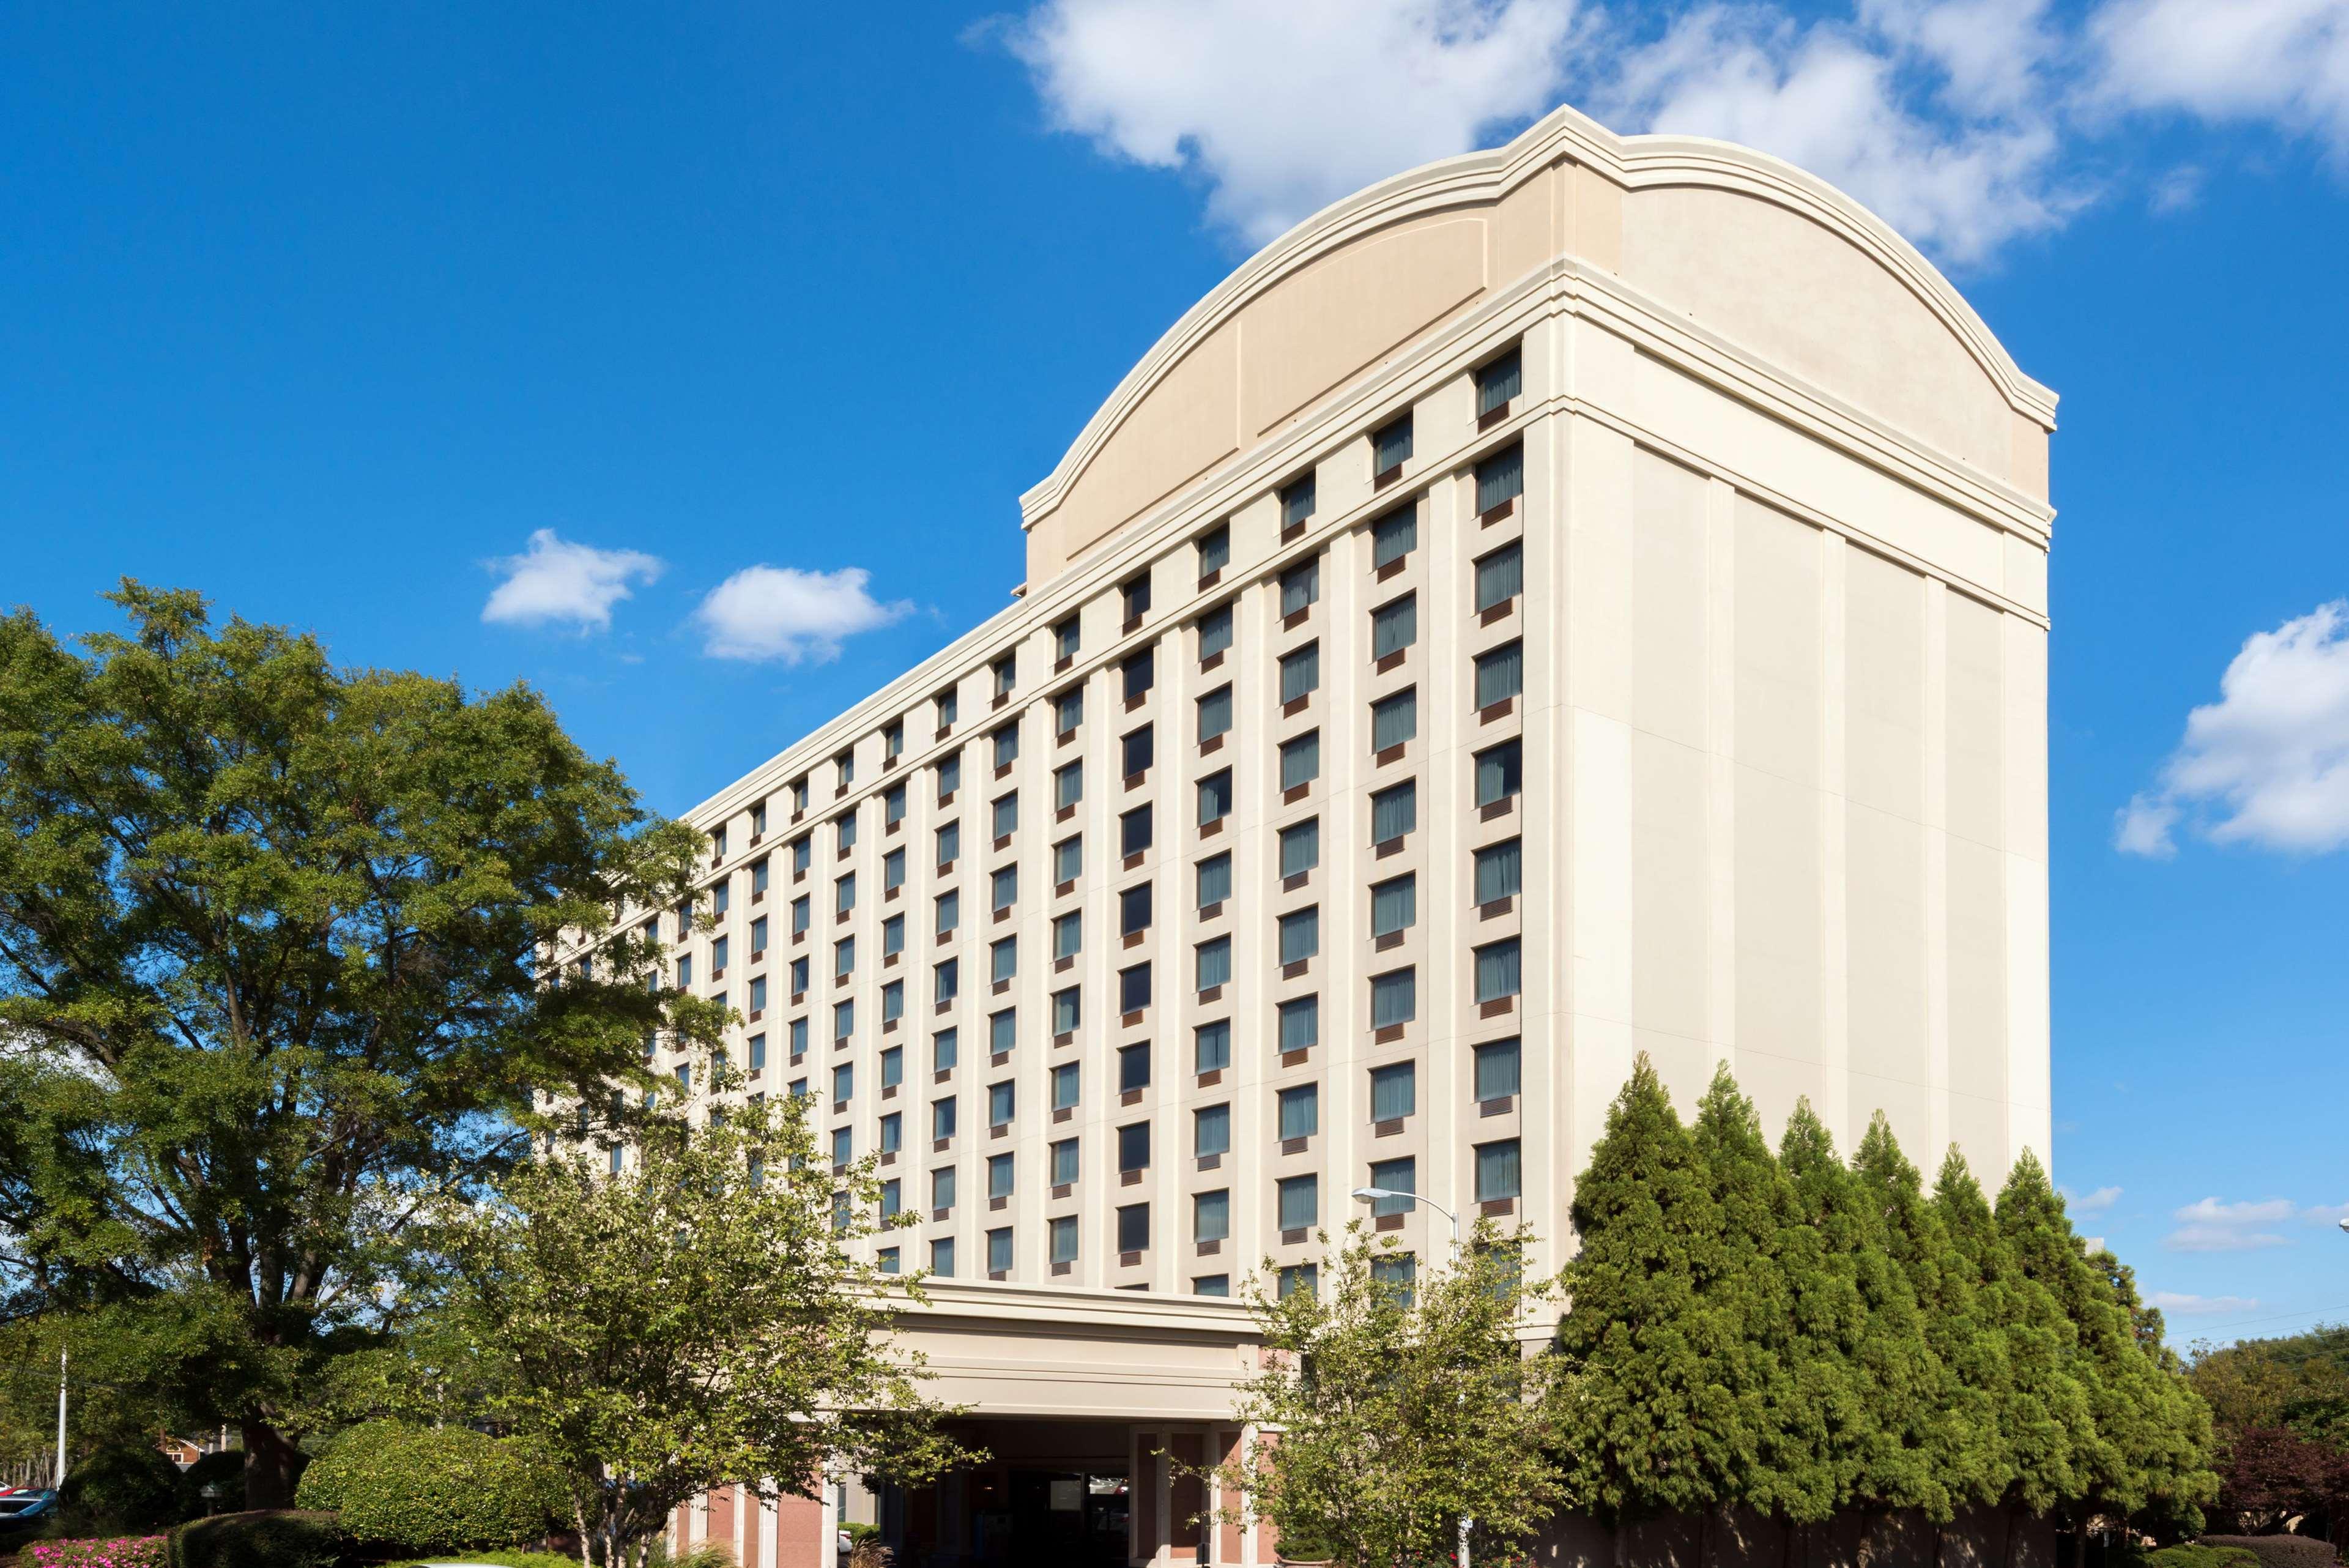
[(1835, 1345), (1653, 1426)]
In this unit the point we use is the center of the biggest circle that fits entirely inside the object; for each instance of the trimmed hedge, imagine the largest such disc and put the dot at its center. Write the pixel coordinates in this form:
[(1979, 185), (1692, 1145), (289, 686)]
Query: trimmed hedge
[(2191, 1555), (124, 1490), (265, 1538), (2280, 1551), (429, 1489)]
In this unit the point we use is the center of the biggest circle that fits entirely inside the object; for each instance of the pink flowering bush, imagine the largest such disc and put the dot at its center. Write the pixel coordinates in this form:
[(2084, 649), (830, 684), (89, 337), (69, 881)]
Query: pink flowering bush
[(122, 1551)]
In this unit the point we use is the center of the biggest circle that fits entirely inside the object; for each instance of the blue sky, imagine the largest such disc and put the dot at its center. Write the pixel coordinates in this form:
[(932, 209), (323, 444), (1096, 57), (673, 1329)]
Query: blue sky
[(330, 312)]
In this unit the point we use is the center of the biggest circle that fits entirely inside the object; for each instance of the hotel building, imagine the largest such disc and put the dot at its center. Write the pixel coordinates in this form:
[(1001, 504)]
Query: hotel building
[(1577, 599)]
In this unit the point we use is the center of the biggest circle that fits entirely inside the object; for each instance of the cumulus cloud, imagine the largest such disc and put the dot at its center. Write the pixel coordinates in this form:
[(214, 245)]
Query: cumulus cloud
[(556, 582), (2097, 1202), (1957, 120), (2179, 1304), (2268, 763), (2211, 1225), (782, 613)]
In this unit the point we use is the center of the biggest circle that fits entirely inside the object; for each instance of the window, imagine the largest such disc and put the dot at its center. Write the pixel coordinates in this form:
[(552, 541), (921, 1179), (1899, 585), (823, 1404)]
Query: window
[(1133, 910), (844, 1019), (844, 896), (1137, 749), (685, 1077), (1394, 812), (1499, 870), (1216, 549), (1000, 1101), (757, 994), (1301, 673), (684, 972), (893, 1002), (1002, 1030), (1064, 1162), (843, 1147), (1133, 1228), (759, 873), (1134, 1147), (845, 765), (1501, 477), (1215, 963), (758, 1054), (1496, 971), (1295, 502), (1215, 713), (1211, 1046), (1006, 815), (1500, 674), (799, 787), (1394, 1176), (1390, 446), (893, 936), (1066, 1083), (892, 806), (1140, 673), (843, 831), (1500, 576), (843, 1081), (946, 1050), (1133, 988), (1499, 772), (1301, 1111), (1215, 879), (949, 704), (1003, 958), (1133, 1068), (1394, 626), (1005, 886), (717, 957), (800, 914), (1300, 934), (1499, 382), (1211, 1131), (1214, 631), (1394, 720), (799, 976), (1212, 1285), (1007, 746), (999, 1176), (802, 852), (1067, 785), (999, 1250), (893, 742), (722, 897), (844, 958), (1215, 797), (1069, 934), (1301, 1023), (1006, 674), (942, 1126), (950, 775), (1211, 1215), (1133, 831), (892, 1198), (1394, 535), (1300, 1202), (1498, 1171), (1068, 859), (893, 1132), (1394, 998), (892, 1066), (1394, 1091), (1064, 1239), (1135, 591), (942, 1257), (799, 1038), (1068, 1009), (949, 907), (889, 1261), (949, 845), (893, 871), (1394, 906), (1300, 760), (758, 818), (1069, 709), (1300, 587), (1065, 637), (1497, 1076)]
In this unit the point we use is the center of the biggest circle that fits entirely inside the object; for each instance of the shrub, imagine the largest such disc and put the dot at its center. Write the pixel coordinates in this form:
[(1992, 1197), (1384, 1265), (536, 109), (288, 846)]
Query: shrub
[(2188, 1554), (224, 1473), (122, 1551), (422, 1489), (124, 1487), (2280, 1551), (497, 1560), (258, 1539)]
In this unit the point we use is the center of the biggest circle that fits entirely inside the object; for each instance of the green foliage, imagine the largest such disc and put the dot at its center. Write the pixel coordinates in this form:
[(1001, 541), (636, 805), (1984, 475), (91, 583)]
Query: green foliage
[(696, 1321), (2186, 1554), (114, 1551), (258, 1539), (1802, 1337), (269, 937), (1403, 1408), (499, 1560), (224, 1473), (2278, 1551), (121, 1490), (421, 1488)]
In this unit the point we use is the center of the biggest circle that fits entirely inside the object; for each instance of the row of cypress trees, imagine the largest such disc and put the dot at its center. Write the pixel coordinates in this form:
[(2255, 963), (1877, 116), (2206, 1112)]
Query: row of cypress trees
[(1803, 1338)]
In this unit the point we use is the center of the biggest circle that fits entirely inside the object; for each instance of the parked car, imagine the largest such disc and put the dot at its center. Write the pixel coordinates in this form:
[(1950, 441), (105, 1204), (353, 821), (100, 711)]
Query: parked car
[(18, 1504)]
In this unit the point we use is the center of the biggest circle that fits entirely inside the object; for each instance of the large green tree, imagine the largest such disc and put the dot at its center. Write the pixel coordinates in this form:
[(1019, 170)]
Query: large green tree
[(702, 1318), (272, 937)]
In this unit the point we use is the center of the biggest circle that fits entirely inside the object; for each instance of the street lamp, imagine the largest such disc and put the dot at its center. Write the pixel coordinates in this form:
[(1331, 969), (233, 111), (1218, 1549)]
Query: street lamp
[(1371, 1195)]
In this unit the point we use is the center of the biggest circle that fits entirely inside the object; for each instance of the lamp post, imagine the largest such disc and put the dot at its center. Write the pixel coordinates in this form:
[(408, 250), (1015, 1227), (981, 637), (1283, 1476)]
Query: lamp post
[(1371, 1195)]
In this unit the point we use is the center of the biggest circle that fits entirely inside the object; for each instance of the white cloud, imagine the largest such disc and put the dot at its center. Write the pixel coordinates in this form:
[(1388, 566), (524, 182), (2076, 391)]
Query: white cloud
[(778, 612), (2213, 1226), (2268, 763), (1282, 108), (2097, 1202), (2179, 1304), (557, 581), (2229, 60)]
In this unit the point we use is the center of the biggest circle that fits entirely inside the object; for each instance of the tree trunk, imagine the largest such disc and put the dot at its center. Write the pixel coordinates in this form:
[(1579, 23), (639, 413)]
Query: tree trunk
[(272, 1465)]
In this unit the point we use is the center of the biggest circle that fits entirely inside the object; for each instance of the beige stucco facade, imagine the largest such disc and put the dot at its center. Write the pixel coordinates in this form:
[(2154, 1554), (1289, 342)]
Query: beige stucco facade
[(1781, 714)]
